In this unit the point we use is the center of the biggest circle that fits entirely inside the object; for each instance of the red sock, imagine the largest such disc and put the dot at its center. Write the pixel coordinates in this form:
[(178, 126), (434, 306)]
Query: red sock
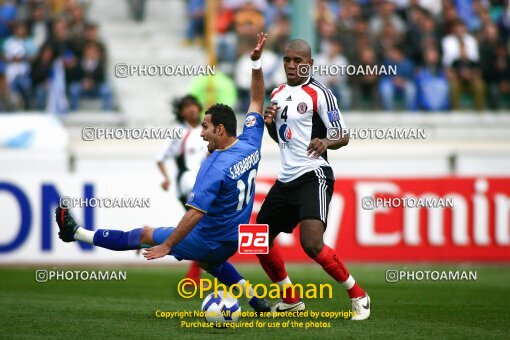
[(273, 265), (194, 272), (330, 262)]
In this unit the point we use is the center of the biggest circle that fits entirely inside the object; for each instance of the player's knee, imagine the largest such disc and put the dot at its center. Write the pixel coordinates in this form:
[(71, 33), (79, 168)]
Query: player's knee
[(147, 235), (312, 248)]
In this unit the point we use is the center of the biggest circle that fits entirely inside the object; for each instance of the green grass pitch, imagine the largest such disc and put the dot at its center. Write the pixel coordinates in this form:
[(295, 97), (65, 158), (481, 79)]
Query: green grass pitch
[(126, 309)]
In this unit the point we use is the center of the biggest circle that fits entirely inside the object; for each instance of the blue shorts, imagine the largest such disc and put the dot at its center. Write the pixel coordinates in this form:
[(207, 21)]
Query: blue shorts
[(195, 247)]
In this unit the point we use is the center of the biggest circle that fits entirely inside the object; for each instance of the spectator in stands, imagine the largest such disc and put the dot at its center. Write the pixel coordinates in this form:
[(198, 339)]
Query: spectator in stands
[(276, 10), (433, 7), (226, 40), (337, 83), (385, 15), (248, 20), (386, 39), (91, 36), (495, 66), (361, 40), (349, 17), (504, 23), (422, 37), (8, 14), (19, 51), (433, 91), (279, 33), (38, 24), (365, 85), (59, 39), (451, 45), (77, 25), (449, 19), (91, 79), (40, 75), (502, 63), (402, 84), (196, 14), (466, 77)]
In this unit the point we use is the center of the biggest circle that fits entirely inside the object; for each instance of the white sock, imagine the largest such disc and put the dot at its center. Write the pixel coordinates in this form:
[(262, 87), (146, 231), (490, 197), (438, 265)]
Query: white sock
[(246, 289), (349, 283), (285, 281), (85, 235)]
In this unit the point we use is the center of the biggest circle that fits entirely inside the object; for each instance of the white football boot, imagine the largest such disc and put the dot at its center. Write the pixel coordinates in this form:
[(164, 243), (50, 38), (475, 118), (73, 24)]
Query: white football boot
[(361, 308)]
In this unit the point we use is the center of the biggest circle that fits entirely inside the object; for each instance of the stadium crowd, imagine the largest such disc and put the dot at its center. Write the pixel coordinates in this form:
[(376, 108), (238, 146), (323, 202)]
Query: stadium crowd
[(449, 55), (51, 56)]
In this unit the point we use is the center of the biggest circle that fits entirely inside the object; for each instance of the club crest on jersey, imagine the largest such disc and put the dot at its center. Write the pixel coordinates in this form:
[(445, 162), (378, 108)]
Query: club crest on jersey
[(250, 121), (285, 133), (333, 116), (302, 107)]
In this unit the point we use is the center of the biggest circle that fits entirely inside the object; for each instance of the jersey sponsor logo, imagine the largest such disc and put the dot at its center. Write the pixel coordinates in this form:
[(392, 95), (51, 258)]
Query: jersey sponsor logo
[(250, 121), (289, 99), (253, 239), (302, 107), (285, 133), (334, 116)]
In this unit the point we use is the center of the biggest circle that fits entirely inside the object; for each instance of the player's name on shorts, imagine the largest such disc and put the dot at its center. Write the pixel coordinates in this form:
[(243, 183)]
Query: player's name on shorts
[(105, 202), (335, 133), (124, 70), (247, 163), (95, 133)]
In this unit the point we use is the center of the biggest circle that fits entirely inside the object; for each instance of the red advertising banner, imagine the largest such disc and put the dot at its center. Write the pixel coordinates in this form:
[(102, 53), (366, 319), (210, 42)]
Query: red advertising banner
[(474, 226)]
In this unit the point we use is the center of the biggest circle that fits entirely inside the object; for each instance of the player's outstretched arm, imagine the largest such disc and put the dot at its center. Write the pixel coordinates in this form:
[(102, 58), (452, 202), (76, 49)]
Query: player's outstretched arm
[(257, 78), (187, 223)]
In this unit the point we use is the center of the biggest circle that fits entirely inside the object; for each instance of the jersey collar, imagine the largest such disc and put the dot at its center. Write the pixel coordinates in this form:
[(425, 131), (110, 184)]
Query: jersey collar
[(308, 81), (228, 147)]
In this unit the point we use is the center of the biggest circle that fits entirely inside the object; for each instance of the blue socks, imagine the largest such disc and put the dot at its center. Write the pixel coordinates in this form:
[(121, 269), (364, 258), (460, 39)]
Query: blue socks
[(226, 274), (117, 239)]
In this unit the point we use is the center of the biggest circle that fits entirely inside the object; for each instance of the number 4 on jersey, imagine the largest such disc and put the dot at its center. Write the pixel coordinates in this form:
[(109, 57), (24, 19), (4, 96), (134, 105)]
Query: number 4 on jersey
[(284, 114)]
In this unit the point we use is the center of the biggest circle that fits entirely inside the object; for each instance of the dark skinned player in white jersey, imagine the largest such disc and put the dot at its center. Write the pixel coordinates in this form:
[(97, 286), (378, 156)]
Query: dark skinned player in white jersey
[(304, 119)]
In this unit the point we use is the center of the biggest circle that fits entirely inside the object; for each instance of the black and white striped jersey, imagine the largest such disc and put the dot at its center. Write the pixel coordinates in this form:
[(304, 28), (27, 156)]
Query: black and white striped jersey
[(306, 112)]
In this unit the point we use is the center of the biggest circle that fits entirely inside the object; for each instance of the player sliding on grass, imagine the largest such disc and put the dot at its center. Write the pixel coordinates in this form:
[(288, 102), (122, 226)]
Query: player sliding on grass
[(222, 197), (302, 113)]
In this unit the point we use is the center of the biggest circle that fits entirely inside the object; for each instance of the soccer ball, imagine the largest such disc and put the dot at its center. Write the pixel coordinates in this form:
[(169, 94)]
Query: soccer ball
[(221, 307)]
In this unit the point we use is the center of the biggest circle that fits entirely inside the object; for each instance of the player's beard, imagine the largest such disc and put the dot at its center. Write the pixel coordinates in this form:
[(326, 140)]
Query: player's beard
[(211, 146)]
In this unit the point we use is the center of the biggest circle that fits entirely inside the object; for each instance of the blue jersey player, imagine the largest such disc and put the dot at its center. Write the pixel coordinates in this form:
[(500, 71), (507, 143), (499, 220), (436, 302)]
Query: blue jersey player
[(222, 197)]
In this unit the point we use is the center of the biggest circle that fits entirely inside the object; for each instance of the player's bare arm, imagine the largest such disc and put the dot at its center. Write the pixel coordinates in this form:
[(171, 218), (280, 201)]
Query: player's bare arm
[(318, 146), (257, 78), (187, 223), (166, 182), (269, 116)]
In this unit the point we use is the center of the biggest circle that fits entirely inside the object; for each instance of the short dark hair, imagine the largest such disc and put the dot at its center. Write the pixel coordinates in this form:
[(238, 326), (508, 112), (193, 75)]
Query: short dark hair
[(179, 104), (223, 114)]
